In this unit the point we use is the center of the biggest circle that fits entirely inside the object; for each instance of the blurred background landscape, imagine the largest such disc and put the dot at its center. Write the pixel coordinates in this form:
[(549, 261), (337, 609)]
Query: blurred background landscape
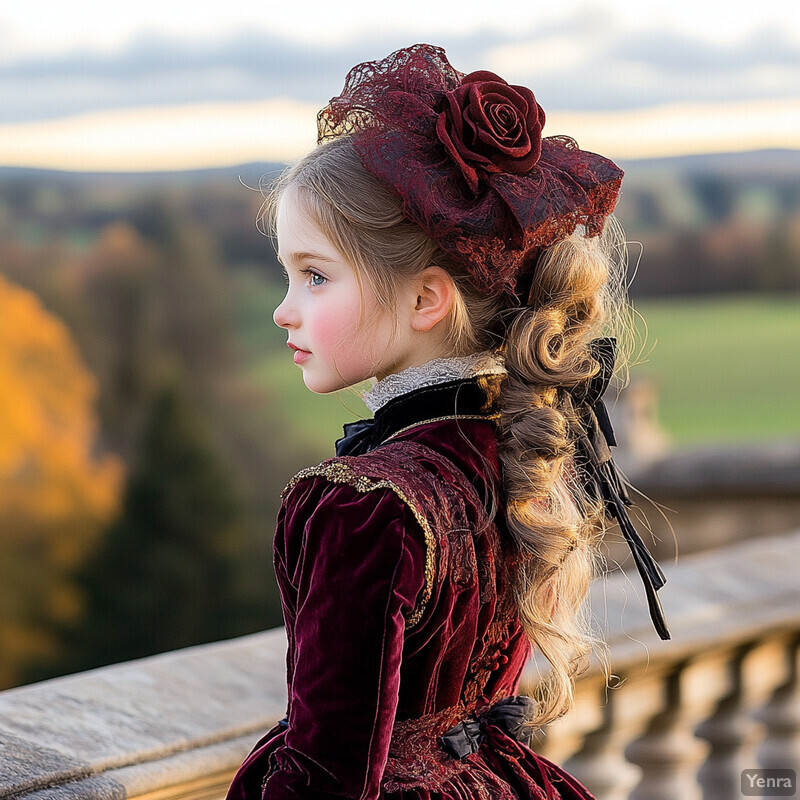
[(150, 413)]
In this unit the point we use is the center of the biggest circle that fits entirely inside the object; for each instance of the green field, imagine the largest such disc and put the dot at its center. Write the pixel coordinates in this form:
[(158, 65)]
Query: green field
[(726, 369)]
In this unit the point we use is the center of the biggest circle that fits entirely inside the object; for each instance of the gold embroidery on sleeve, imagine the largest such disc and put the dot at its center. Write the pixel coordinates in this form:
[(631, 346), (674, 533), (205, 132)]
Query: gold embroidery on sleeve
[(339, 473)]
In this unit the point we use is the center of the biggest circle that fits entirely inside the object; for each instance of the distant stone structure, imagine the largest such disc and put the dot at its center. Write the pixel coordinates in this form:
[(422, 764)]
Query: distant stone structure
[(634, 414), (699, 498)]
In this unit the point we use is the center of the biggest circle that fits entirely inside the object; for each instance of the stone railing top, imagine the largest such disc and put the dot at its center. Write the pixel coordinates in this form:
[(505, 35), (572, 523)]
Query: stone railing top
[(127, 729), (714, 598), (132, 729), (754, 468)]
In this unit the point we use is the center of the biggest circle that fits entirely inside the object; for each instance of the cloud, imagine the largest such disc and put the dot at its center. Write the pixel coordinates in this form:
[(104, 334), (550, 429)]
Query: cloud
[(159, 70), (585, 63), (675, 52), (155, 69), (585, 70)]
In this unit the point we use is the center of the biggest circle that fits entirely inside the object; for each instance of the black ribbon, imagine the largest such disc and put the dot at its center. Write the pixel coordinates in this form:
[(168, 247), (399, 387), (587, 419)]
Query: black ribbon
[(510, 715), (357, 438), (604, 482)]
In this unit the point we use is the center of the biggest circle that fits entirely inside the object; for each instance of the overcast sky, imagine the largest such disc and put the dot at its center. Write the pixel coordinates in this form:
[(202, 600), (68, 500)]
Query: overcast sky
[(161, 84)]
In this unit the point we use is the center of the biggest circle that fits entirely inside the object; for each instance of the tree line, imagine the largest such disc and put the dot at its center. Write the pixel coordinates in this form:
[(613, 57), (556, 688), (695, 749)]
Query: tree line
[(139, 475)]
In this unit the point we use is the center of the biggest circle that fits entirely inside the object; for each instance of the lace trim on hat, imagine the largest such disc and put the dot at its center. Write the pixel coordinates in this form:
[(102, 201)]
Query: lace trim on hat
[(439, 370)]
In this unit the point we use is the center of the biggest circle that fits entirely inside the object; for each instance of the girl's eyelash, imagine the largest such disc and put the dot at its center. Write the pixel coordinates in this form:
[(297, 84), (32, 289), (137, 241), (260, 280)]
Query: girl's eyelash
[(308, 271), (314, 274)]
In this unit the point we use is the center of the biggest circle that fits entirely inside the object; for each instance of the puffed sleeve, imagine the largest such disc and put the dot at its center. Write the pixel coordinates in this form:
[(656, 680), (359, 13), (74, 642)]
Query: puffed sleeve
[(352, 568)]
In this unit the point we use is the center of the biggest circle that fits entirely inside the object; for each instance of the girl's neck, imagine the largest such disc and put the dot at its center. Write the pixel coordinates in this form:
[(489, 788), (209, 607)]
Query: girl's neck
[(437, 370)]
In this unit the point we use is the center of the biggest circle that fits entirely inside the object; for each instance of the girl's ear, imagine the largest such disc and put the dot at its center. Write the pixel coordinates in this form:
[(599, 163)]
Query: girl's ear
[(435, 291)]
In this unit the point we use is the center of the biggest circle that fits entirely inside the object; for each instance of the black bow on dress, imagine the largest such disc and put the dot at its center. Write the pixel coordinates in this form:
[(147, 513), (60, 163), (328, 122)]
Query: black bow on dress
[(603, 479), (510, 715), (465, 397)]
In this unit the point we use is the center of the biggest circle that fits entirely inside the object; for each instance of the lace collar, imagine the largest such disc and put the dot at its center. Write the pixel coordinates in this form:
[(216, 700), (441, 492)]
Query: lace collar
[(439, 370)]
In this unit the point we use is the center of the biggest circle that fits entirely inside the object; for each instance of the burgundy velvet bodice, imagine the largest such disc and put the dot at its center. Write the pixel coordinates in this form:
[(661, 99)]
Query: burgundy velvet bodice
[(397, 597)]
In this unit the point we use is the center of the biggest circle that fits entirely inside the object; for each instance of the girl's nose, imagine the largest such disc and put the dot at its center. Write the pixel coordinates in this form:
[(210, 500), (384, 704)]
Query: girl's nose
[(284, 315)]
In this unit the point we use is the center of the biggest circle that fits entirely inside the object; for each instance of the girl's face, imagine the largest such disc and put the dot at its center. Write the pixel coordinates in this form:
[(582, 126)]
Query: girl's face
[(339, 333)]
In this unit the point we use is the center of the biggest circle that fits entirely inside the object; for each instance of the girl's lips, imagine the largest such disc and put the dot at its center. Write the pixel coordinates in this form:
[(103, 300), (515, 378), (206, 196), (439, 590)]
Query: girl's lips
[(299, 355)]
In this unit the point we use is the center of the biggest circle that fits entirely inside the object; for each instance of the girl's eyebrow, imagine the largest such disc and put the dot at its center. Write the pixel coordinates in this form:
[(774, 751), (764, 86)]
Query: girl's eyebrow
[(302, 256)]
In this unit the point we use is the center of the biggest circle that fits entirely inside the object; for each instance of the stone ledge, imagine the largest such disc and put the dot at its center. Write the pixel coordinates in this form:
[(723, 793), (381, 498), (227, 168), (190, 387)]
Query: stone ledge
[(129, 729), (727, 471), (715, 598)]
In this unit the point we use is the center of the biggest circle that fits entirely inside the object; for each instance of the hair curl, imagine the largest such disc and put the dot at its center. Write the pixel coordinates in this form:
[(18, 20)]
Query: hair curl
[(577, 294)]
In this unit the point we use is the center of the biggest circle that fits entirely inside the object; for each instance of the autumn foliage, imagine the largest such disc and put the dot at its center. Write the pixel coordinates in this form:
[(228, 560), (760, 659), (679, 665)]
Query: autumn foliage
[(57, 491)]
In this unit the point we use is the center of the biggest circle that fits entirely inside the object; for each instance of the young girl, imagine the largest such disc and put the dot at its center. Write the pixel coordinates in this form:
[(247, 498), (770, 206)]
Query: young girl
[(436, 241)]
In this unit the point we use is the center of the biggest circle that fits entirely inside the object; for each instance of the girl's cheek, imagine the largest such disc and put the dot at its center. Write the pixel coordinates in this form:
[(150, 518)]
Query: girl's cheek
[(325, 331), (337, 326)]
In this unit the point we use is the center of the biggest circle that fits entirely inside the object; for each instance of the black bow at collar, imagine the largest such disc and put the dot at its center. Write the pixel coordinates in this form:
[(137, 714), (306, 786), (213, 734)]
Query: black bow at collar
[(358, 438), (459, 398)]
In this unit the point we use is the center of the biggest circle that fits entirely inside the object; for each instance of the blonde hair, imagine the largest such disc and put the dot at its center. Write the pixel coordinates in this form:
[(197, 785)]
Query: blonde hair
[(578, 292)]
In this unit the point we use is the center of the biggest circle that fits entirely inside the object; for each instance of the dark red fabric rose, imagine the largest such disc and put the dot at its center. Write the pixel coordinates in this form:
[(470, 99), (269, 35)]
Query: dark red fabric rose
[(487, 126)]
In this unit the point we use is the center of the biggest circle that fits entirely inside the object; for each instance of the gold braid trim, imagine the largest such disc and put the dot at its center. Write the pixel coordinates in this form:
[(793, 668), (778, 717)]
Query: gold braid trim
[(339, 473), (489, 417)]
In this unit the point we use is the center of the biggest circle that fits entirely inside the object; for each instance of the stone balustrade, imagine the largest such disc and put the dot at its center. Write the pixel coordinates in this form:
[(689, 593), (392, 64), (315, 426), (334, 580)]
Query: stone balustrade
[(683, 718), (679, 720)]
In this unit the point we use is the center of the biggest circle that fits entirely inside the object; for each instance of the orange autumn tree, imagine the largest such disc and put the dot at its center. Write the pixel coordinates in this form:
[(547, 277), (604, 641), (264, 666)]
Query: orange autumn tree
[(57, 493)]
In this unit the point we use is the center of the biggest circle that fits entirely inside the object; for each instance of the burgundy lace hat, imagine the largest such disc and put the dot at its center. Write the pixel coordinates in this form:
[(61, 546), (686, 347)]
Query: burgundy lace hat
[(465, 155)]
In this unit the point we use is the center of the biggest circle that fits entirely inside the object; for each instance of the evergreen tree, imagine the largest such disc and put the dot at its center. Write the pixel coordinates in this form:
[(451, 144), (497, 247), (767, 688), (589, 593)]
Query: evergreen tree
[(166, 575)]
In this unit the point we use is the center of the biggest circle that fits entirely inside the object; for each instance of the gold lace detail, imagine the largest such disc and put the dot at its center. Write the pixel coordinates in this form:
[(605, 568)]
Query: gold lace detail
[(341, 473)]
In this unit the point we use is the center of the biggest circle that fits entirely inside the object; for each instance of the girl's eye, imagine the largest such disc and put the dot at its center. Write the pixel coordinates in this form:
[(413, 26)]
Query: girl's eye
[(315, 279)]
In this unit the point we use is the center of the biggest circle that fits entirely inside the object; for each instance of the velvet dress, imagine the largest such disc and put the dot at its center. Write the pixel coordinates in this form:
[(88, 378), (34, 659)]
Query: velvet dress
[(403, 636)]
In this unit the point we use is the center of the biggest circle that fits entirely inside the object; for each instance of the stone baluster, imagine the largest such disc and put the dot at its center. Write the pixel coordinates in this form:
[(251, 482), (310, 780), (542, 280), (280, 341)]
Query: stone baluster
[(563, 738), (780, 748), (600, 764), (669, 753), (731, 734)]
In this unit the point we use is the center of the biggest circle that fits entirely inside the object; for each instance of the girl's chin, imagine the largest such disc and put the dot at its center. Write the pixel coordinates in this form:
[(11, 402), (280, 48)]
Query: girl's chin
[(320, 385)]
